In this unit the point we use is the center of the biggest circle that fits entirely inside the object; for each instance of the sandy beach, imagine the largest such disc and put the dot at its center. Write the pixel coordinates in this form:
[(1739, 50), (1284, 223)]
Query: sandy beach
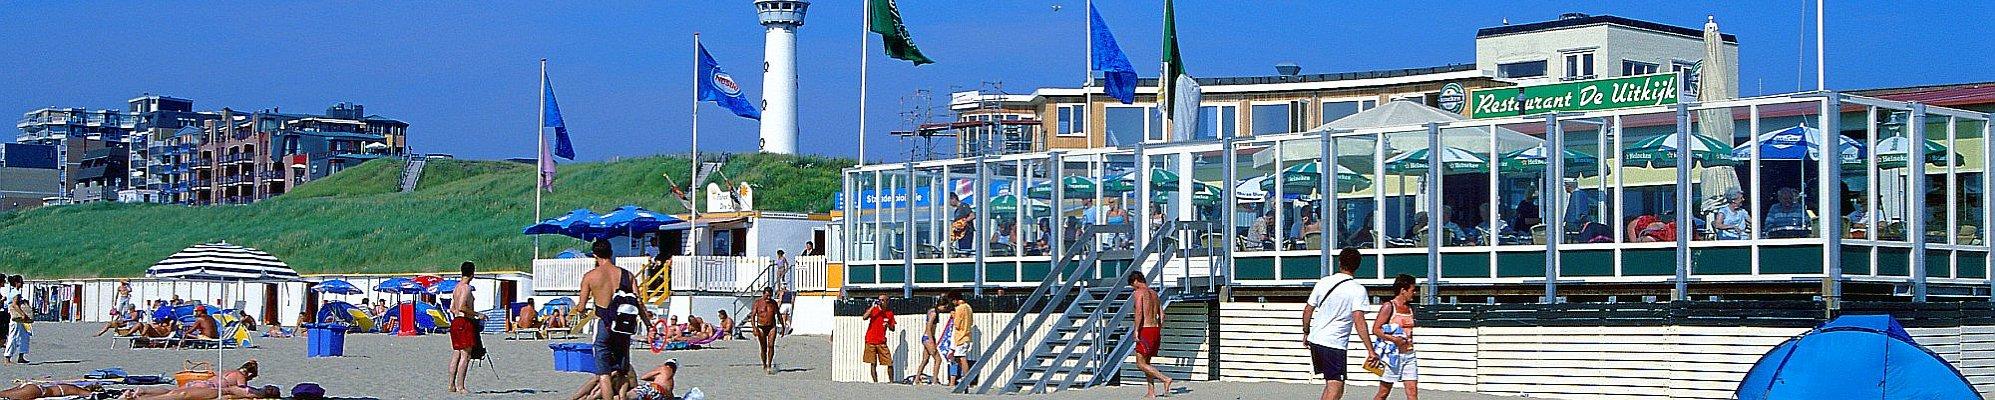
[(387, 367)]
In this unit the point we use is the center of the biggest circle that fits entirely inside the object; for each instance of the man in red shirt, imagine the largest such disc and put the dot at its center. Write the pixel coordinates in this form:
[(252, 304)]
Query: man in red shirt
[(879, 320)]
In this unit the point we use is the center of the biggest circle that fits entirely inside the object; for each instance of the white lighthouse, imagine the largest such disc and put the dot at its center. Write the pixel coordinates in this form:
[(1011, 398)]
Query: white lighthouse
[(780, 18)]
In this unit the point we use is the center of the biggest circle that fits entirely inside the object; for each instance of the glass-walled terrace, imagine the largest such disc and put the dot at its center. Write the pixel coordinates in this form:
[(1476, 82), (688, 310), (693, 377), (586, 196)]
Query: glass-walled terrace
[(1759, 189)]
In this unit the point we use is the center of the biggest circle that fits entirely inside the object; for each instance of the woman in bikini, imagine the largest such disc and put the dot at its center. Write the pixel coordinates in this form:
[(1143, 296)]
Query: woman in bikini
[(234, 383), (928, 349), (39, 390)]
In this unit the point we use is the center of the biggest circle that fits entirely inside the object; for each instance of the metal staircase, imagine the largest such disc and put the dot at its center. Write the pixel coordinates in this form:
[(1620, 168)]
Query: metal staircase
[(412, 172), (1082, 316)]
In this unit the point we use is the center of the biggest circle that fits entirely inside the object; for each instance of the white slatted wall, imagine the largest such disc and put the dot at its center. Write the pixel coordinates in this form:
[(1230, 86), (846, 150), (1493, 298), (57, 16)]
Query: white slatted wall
[(1977, 357)]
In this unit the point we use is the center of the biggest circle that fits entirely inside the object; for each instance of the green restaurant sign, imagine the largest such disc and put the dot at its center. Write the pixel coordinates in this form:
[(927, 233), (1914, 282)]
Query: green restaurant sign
[(1599, 94)]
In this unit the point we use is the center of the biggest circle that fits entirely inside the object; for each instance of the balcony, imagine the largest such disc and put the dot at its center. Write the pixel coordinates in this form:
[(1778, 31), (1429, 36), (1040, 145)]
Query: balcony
[(271, 175), (203, 163)]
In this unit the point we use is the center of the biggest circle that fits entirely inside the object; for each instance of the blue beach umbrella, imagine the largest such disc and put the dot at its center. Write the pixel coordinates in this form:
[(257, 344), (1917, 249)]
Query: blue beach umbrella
[(629, 220), (575, 224), (400, 286), (1800, 143), (336, 286), (445, 287)]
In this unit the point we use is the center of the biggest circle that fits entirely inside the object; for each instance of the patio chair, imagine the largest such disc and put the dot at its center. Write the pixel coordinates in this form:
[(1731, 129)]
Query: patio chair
[(228, 333), (1968, 235)]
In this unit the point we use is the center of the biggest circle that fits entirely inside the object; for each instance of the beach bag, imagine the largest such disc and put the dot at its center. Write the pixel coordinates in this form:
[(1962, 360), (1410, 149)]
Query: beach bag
[(477, 350), (193, 372), (106, 373), (308, 391), (627, 307)]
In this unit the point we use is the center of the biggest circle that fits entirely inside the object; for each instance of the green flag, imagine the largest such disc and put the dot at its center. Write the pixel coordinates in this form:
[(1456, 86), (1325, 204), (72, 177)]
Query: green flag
[(1173, 65), (885, 19)]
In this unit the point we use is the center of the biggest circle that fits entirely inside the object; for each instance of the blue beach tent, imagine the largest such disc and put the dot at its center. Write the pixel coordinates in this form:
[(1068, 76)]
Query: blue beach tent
[(1854, 357)]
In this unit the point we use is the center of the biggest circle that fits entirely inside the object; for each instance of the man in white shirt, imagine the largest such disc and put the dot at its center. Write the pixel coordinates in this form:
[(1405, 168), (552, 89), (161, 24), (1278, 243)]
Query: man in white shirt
[(1336, 309)]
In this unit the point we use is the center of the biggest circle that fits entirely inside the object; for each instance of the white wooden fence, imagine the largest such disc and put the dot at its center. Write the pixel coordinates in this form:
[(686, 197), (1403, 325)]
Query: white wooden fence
[(740, 274)]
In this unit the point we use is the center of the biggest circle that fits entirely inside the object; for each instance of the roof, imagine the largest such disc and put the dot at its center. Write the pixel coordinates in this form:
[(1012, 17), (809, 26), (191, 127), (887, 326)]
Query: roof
[(1584, 20), (1335, 76), (1945, 95)]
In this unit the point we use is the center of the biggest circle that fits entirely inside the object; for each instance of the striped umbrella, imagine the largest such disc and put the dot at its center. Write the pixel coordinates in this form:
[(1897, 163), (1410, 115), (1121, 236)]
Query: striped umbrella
[(222, 262), (1660, 152), (1533, 160), (1892, 152), (1454, 160)]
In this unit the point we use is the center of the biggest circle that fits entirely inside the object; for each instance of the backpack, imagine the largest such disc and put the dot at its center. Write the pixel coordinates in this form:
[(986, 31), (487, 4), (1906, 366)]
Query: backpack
[(626, 308), (477, 350), (308, 391)]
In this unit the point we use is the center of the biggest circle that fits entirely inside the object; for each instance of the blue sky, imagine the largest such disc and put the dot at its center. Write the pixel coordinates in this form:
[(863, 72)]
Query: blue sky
[(464, 74)]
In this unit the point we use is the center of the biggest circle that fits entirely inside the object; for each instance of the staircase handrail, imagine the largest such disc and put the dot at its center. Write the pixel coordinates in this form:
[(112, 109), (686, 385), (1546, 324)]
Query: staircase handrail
[(1059, 267), (1091, 324)]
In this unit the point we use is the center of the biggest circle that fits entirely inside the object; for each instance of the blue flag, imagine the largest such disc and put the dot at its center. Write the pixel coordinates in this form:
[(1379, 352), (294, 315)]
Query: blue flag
[(550, 117), (1118, 77), (719, 87)]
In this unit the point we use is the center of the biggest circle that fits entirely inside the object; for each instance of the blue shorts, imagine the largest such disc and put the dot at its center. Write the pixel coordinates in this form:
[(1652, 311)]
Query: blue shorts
[(612, 351)]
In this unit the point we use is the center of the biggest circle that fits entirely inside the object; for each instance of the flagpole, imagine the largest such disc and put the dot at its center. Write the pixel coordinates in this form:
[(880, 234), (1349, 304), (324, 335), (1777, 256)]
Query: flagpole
[(693, 224), (865, 28), (1087, 84), (540, 153), (1165, 77), (1820, 70)]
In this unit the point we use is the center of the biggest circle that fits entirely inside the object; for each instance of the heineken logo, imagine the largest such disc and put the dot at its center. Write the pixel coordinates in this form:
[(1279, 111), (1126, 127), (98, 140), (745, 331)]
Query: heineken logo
[(1601, 94), (726, 83), (1452, 97)]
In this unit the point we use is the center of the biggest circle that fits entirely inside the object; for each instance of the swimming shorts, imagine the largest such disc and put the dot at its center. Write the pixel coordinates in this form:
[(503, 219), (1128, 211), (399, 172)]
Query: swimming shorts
[(612, 350), (463, 333), (1148, 340)]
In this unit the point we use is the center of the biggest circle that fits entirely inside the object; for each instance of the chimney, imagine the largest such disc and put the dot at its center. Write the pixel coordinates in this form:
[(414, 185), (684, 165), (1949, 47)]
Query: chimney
[(1288, 69)]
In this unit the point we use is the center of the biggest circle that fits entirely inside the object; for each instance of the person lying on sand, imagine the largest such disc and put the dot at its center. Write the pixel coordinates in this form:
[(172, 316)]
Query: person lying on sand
[(42, 390), (199, 392), (236, 378), (656, 384)]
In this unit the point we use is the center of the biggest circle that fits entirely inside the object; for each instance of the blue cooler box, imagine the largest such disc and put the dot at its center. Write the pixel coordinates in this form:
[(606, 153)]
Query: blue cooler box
[(573, 357), (325, 340)]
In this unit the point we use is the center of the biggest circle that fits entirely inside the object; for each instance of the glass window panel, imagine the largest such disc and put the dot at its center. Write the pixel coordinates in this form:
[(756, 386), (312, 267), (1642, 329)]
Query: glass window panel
[(1647, 175), (1465, 188), (1252, 218), (1519, 186), (1126, 125), (1355, 182), (1894, 189), (1525, 69), (1583, 189), (1270, 118), (1939, 128), (1402, 184), (1216, 122), (1970, 141), (1332, 110), (1856, 176), (1788, 182)]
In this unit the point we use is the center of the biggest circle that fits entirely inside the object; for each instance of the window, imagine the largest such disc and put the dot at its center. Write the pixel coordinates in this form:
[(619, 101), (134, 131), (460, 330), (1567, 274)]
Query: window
[(1579, 65), (1073, 120), (1632, 67), (1333, 110), (1271, 118), (1524, 69), (1128, 125), (1686, 81), (1216, 122)]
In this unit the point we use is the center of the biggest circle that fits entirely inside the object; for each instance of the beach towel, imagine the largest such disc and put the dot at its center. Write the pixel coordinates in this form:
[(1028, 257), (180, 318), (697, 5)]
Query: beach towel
[(145, 380), (106, 373)]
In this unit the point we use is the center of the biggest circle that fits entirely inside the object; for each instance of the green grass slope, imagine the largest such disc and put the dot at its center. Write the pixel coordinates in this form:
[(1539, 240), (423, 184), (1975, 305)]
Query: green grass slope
[(357, 221)]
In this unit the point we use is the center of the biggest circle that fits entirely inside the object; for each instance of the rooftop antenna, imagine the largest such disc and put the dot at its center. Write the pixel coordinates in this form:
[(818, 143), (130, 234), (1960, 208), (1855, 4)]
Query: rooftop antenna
[(917, 111)]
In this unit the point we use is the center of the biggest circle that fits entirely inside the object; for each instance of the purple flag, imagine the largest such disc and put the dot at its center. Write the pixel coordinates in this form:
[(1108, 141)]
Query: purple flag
[(546, 169)]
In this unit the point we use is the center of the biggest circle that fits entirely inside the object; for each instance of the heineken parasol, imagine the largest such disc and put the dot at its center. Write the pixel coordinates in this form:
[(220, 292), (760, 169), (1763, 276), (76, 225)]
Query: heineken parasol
[(1160, 180), (1006, 207), (1893, 151), (1533, 160), (1202, 193), (1071, 187), (1453, 161), (1303, 178), (1660, 152)]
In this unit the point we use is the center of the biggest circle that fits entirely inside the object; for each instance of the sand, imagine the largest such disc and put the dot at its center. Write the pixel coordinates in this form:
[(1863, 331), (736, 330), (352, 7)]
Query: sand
[(388, 367)]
